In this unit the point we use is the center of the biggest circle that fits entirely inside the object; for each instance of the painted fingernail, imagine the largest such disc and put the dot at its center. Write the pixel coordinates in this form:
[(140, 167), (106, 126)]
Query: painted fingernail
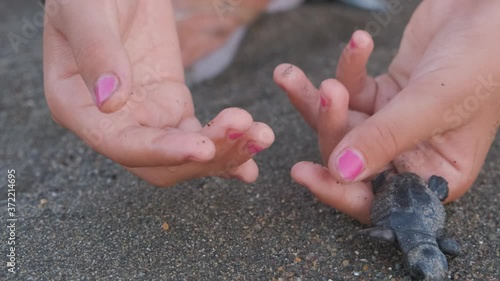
[(193, 158), (235, 136), (352, 43), (104, 88), (254, 149), (323, 101), (350, 164)]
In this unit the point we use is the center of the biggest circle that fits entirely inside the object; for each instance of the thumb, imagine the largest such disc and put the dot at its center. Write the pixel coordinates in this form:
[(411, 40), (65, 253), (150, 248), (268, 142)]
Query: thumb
[(92, 31), (413, 116)]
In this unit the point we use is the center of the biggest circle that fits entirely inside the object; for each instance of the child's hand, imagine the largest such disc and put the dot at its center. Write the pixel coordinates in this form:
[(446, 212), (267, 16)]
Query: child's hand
[(436, 111), (122, 57)]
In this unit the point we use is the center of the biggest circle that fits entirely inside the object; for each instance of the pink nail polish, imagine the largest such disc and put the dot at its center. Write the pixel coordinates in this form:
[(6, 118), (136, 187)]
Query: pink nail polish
[(352, 44), (254, 149), (323, 101), (105, 86), (350, 164), (235, 136)]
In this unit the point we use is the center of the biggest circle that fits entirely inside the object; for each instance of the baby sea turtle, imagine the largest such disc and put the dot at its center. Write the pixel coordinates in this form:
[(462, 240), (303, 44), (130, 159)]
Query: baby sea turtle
[(408, 212)]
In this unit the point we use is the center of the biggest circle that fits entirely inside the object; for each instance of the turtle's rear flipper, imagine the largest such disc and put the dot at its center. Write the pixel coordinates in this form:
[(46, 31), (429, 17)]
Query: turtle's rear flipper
[(440, 186), (379, 233), (449, 246)]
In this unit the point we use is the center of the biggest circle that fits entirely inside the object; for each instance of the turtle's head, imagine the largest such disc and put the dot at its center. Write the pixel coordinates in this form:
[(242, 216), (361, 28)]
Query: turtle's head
[(427, 262)]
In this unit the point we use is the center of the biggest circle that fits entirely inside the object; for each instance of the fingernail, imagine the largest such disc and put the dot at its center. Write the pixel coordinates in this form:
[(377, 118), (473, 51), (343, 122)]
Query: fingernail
[(193, 158), (323, 101), (235, 136), (350, 164), (104, 88), (254, 149), (352, 44)]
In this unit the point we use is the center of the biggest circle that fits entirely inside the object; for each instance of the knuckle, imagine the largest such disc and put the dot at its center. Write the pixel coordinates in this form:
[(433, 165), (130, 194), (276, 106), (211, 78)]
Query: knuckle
[(89, 49), (385, 139)]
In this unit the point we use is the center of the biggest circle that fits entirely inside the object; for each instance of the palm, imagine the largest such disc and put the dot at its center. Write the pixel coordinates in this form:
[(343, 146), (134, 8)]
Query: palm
[(155, 134)]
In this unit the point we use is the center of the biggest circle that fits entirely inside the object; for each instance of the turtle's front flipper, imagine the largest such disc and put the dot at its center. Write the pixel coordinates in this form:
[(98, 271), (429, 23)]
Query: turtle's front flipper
[(379, 233), (440, 186), (379, 180), (449, 246)]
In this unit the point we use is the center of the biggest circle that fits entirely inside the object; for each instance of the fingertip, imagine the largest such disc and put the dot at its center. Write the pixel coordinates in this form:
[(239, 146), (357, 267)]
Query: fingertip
[(319, 182), (361, 39), (282, 71), (265, 134), (333, 85), (336, 92), (205, 150), (258, 138), (106, 70), (347, 165), (354, 200), (247, 172), (297, 171), (115, 102), (113, 88), (231, 112), (233, 118), (250, 177), (303, 172), (290, 77)]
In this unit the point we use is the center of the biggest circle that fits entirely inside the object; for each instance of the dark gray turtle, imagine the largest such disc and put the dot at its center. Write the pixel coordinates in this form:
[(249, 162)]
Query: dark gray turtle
[(408, 212)]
